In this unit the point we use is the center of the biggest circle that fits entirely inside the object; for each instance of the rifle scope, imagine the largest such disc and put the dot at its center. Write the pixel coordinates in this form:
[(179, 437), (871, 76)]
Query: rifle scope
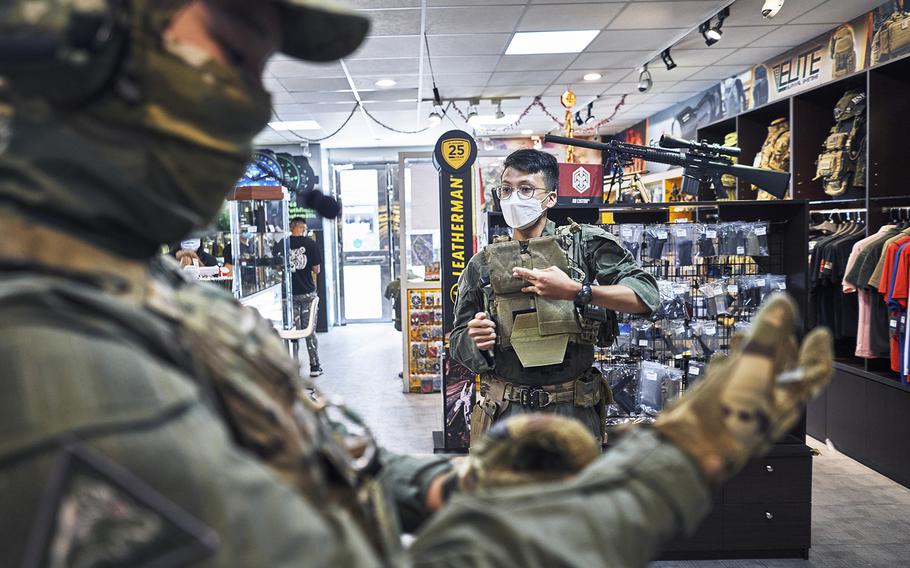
[(680, 144)]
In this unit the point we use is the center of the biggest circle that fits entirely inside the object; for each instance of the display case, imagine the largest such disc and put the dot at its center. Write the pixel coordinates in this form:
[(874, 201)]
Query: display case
[(258, 253), (421, 295)]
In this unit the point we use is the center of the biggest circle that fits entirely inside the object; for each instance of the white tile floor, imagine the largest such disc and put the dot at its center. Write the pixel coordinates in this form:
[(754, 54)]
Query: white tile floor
[(860, 519)]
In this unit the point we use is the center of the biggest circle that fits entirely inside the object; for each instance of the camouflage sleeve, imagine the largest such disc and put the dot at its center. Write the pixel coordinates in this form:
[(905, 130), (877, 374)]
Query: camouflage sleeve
[(614, 265), (619, 512), (407, 479), (469, 302), (147, 420)]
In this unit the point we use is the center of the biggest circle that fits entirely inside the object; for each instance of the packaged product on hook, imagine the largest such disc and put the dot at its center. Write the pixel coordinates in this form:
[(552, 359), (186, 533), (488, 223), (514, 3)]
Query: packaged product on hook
[(680, 337), (624, 383), (656, 242), (715, 295), (683, 239), (706, 339), (660, 385), (630, 235), (643, 336), (706, 237), (756, 238)]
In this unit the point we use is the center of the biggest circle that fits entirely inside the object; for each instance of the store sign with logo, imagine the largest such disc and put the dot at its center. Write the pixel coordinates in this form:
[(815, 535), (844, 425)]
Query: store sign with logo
[(580, 185), (454, 158)]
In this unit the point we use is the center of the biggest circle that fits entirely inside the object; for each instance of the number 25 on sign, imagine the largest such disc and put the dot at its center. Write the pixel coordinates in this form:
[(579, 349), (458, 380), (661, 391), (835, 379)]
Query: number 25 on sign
[(455, 151)]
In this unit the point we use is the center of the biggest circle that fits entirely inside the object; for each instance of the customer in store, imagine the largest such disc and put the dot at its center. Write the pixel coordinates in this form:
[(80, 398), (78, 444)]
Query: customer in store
[(191, 253), (536, 353), (148, 419), (305, 261)]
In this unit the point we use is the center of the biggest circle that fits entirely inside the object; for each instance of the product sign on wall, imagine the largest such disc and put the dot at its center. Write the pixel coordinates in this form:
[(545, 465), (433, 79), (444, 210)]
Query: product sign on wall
[(580, 185), (454, 158)]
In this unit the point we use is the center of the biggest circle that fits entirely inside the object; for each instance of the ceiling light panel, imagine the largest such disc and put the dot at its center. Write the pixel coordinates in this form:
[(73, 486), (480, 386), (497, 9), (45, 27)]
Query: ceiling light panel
[(568, 17), (526, 43)]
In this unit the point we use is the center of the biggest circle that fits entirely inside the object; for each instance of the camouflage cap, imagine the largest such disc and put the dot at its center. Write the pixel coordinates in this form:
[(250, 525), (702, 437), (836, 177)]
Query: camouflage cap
[(320, 30)]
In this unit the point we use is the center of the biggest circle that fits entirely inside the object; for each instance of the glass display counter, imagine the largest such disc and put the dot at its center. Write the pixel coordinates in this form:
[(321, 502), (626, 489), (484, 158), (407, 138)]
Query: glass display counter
[(258, 251)]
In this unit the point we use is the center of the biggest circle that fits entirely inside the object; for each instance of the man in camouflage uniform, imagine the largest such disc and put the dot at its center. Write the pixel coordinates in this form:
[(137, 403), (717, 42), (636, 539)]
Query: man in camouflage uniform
[(605, 275), (147, 418)]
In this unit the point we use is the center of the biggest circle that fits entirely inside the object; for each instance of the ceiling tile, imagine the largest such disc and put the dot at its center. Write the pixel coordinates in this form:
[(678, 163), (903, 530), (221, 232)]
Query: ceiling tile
[(733, 37), (610, 59), (522, 78), (791, 35), (697, 57), (468, 44), (524, 90), (749, 56), (631, 88), (282, 97), (836, 12), (454, 20), (568, 17), (393, 22), (457, 80), (325, 97), (467, 64), (748, 12), (659, 72), (295, 84), (691, 86), (374, 4), (584, 90), (532, 63), (620, 40), (365, 82), (391, 46), (650, 15), (389, 95), (462, 92), (292, 68), (718, 72), (382, 106), (392, 67), (575, 77), (443, 3)]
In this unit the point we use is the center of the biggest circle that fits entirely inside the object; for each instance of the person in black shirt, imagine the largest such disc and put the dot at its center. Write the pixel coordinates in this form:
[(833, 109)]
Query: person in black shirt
[(305, 260)]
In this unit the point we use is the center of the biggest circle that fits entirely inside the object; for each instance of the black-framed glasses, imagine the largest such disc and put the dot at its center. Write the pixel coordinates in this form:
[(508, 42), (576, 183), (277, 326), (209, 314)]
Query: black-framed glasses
[(504, 192)]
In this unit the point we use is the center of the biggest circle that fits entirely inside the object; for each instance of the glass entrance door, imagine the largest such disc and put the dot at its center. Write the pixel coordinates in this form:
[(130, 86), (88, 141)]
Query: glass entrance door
[(366, 241)]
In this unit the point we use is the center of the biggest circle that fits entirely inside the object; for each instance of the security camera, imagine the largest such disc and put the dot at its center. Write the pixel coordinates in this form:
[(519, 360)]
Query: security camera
[(771, 7)]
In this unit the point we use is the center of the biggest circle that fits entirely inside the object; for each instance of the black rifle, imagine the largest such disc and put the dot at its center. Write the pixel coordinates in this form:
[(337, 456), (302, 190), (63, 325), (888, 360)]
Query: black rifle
[(701, 162)]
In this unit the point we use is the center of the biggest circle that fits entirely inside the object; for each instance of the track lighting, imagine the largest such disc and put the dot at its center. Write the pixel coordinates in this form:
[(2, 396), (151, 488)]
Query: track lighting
[(499, 114), (578, 120), (473, 117), (644, 80), (589, 120), (668, 59), (713, 32), (771, 8), (435, 117)]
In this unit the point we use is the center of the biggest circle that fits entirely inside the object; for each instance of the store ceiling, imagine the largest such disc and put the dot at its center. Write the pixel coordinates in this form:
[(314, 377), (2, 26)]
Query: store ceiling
[(468, 40)]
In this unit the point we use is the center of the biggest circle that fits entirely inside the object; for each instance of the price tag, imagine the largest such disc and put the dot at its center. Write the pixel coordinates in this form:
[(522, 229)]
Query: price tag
[(651, 375), (699, 301), (680, 232), (893, 323), (710, 329), (740, 250), (711, 234), (812, 245), (761, 230), (662, 235), (733, 289), (643, 342), (694, 371), (782, 285), (760, 282), (627, 232)]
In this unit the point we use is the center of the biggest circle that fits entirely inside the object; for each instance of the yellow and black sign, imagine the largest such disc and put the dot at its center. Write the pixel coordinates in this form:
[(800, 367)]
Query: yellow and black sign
[(454, 158)]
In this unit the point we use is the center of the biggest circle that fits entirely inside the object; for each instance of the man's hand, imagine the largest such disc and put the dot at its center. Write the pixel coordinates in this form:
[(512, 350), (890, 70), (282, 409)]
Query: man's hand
[(548, 283), (483, 331)]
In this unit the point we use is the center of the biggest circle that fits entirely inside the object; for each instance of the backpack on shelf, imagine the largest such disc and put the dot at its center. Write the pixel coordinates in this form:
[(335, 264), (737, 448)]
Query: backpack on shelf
[(775, 152), (892, 37), (842, 52), (841, 165)]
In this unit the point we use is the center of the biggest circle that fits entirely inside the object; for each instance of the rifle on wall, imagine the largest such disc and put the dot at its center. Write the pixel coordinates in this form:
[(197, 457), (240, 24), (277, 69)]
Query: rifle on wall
[(701, 162)]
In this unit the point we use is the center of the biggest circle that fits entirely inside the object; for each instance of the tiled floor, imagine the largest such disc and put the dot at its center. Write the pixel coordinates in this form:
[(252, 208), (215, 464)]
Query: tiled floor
[(860, 519)]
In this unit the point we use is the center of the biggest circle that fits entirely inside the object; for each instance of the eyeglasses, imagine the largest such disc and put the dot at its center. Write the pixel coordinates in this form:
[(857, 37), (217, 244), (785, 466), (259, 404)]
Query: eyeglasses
[(504, 192)]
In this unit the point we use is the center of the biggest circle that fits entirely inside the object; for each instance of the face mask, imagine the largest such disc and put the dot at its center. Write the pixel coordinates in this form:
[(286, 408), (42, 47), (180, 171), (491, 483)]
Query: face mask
[(191, 244), (151, 159), (521, 213)]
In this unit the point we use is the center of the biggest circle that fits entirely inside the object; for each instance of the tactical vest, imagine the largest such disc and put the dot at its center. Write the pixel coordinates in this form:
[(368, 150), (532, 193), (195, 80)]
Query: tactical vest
[(841, 51), (539, 329), (727, 180), (892, 37), (232, 354), (775, 152), (841, 165)]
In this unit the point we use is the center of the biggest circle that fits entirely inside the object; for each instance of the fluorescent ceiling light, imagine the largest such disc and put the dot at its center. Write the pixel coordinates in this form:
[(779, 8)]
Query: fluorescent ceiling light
[(294, 125), (527, 132), (490, 119), (386, 83), (592, 76), (531, 43)]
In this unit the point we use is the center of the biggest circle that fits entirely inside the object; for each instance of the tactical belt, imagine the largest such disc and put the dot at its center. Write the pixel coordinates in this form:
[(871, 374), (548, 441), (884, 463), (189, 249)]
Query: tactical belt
[(536, 397)]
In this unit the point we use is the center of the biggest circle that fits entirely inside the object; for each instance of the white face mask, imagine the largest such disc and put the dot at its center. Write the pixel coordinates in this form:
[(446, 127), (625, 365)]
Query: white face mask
[(521, 213), (191, 244)]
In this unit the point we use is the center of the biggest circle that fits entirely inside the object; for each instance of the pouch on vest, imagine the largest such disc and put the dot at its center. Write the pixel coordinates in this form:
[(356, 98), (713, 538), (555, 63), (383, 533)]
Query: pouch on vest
[(534, 349)]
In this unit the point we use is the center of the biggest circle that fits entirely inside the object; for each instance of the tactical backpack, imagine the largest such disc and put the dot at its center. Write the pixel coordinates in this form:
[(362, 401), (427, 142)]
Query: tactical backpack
[(760, 86), (841, 51), (775, 152), (841, 164), (892, 37)]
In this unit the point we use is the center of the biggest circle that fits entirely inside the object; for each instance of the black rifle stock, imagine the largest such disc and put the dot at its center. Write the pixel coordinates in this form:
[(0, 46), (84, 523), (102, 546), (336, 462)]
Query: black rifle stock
[(702, 162)]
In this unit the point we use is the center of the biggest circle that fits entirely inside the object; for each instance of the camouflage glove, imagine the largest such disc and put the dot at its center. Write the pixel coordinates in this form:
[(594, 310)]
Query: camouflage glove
[(752, 397), (529, 448)]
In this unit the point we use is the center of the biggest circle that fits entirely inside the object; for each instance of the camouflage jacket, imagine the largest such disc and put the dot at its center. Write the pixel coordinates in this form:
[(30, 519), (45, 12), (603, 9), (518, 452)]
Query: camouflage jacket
[(606, 262)]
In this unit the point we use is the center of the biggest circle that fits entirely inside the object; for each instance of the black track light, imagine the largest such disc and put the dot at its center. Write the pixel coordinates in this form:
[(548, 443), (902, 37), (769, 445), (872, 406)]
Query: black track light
[(578, 120), (668, 59), (589, 120), (712, 32)]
